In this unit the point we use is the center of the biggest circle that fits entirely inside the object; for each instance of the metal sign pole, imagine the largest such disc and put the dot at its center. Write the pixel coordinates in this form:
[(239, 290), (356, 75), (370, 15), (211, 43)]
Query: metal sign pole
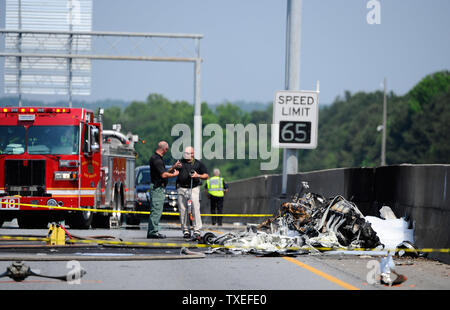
[(197, 104), (19, 59), (69, 51), (383, 140), (293, 31), (38, 77)]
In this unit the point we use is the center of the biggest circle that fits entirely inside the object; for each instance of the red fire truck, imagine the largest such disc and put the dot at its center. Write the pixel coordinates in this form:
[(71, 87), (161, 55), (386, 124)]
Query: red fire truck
[(63, 157)]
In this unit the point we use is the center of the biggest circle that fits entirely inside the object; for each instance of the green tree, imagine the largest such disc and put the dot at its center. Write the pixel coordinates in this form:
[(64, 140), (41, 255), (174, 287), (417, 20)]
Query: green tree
[(418, 126)]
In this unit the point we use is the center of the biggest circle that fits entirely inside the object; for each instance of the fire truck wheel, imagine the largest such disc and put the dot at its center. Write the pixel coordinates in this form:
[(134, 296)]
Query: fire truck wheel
[(80, 219), (100, 221), (113, 218), (131, 219), (32, 221), (118, 206)]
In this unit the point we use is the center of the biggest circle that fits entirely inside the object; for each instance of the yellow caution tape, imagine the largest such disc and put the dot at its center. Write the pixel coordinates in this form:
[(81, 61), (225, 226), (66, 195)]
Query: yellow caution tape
[(424, 250), (9, 238), (239, 215), (165, 244), (129, 212), (74, 209), (192, 245)]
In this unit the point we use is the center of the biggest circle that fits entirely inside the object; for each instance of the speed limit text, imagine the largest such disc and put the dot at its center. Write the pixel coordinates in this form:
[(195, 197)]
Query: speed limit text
[(295, 105), (300, 111)]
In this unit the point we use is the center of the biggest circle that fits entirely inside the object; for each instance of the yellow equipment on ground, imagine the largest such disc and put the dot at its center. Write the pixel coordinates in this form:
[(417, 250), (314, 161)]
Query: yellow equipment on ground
[(56, 235)]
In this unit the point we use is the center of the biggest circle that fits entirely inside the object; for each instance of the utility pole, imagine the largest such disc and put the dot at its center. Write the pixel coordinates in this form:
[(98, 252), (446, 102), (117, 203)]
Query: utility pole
[(69, 60), (383, 140), (19, 59), (197, 104), (292, 78)]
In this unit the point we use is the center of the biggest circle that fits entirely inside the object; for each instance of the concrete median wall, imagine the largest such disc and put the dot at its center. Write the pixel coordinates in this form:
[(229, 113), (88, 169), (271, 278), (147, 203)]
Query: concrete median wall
[(420, 193)]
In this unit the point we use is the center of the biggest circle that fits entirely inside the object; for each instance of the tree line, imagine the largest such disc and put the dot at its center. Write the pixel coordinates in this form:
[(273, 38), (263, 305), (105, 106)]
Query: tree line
[(418, 127)]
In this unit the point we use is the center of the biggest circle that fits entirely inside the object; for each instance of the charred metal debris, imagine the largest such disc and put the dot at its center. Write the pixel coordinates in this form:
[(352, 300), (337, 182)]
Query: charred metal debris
[(307, 224)]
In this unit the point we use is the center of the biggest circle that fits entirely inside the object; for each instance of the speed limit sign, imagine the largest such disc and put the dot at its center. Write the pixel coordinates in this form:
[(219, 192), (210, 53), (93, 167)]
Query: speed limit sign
[(295, 119)]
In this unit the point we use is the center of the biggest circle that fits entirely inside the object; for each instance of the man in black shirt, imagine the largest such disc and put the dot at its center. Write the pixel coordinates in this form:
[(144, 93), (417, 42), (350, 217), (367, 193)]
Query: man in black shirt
[(159, 177), (192, 171)]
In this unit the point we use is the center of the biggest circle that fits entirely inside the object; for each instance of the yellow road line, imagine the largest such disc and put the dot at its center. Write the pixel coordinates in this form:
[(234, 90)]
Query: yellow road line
[(322, 274)]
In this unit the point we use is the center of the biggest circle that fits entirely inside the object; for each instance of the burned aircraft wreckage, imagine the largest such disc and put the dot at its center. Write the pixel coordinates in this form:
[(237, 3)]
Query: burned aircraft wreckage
[(307, 224)]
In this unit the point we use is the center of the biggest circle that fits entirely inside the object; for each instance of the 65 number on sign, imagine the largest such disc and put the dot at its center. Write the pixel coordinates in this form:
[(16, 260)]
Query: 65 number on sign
[(295, 132)]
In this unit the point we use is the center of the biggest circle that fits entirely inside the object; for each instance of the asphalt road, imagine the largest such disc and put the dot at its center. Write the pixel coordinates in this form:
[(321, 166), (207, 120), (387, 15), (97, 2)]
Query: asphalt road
[(167, 269)]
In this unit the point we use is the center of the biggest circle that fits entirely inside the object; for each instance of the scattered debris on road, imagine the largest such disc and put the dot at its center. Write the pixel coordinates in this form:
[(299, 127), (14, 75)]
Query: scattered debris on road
[(305, 225)]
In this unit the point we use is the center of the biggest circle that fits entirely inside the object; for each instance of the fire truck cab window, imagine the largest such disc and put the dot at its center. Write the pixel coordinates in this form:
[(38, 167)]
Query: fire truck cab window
[(86, 139), (95, 138), (90, 139), (62, 140), (12, 139)]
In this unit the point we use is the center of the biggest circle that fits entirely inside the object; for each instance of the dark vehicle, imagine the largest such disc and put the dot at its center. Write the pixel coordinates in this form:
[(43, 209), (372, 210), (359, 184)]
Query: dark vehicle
[(142, 188), (143, 180)]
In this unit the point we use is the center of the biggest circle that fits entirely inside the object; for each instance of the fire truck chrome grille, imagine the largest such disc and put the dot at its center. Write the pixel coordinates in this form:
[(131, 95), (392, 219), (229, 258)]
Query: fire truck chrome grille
[(25, 177)]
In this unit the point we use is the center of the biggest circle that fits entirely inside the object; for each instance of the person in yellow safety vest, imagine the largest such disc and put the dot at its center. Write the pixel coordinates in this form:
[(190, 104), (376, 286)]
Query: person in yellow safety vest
[(216, 189)]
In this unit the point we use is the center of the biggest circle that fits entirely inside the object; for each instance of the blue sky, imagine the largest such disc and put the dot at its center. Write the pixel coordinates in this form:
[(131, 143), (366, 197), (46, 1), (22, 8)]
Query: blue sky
[(243, 48)]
